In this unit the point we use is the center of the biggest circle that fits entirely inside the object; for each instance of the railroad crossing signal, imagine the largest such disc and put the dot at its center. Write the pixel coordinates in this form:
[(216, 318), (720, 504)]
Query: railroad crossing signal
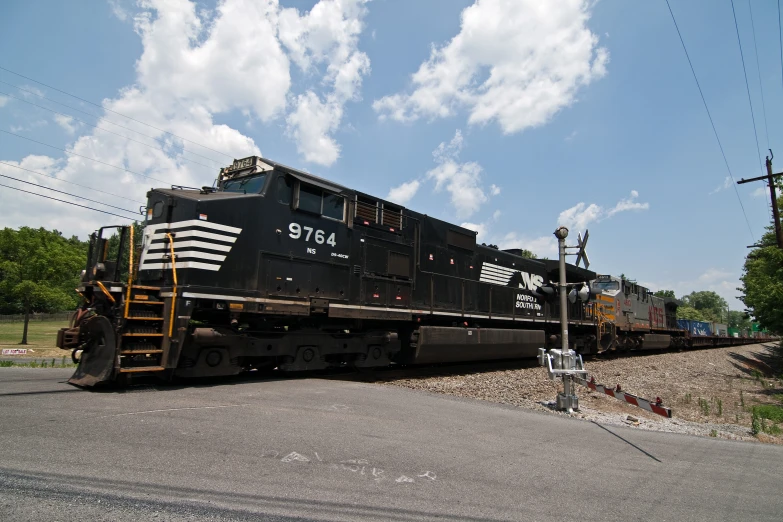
[(582, 254)]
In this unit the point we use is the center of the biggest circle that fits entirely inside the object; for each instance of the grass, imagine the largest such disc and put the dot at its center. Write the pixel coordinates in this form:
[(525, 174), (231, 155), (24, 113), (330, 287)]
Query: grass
[(43, 363), (771, 412), (41, 336)]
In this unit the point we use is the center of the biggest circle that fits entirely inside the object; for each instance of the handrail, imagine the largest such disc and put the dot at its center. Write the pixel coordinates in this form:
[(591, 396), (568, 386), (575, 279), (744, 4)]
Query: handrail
[(174, 289), (106, 292), (130, 274)]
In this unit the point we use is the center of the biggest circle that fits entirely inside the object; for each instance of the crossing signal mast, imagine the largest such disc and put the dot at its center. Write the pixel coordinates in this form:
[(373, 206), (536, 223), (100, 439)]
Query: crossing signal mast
[(565, 362)]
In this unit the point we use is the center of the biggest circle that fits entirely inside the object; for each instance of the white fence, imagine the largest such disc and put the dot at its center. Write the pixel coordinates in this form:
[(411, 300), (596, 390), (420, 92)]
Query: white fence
[(19, 318)]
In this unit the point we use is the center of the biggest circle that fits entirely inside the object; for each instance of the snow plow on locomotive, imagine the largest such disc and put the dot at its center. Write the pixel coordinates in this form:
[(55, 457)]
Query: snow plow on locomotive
[(276, 268)]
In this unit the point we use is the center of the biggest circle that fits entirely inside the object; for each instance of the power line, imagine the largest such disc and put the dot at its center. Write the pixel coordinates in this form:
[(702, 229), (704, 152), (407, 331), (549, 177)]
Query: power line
[(71, 182), (115, 112), (82, 156), (758, 68), (64, 201), (99, 128), (747, 88), (761, 86), (67, 193), (100, 118), (726, 161)]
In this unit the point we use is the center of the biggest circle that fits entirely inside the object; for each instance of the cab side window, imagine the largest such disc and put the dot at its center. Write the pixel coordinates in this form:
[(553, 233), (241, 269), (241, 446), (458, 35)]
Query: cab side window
[(317, 201), (334, 206), (284, 190), (309, 199)]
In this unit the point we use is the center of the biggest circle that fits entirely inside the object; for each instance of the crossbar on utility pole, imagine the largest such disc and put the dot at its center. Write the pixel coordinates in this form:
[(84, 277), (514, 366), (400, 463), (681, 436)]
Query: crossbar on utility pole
[(772, 194)]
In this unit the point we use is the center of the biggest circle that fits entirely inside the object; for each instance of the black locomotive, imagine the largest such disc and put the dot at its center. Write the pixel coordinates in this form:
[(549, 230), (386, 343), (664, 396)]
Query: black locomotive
[(277, 268)]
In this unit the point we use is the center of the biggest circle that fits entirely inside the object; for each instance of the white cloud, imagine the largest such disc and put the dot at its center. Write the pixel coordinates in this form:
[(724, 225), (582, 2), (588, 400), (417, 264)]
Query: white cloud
[(403, 193), (571, 136), (311, 124), (582, 214), (196, 65), (480, 229), (66, 122), (628, 204), (118, 10), (542, 246), (461, 180), (189, 56), (4, 100), (761, 192), (30, 125), (723, 186), (516, 62), (718, 280), (328, 35), (27, 89)]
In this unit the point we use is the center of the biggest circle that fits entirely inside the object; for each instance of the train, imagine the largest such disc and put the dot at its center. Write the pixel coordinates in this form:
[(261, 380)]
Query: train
[(273, 268)]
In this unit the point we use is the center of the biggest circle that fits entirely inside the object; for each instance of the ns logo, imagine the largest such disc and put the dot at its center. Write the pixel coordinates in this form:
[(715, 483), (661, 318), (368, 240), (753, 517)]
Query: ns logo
[(527, 281), (507, 276)]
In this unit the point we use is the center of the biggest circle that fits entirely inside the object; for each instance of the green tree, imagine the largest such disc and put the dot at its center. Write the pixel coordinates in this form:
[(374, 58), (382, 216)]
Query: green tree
[(665, 293), (39, 270), (762, 283), (689, 312), (711, 306), (738, 319)]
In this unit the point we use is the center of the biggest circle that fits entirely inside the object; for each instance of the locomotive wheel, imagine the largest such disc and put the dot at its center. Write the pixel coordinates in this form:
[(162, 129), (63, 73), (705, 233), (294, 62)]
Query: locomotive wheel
[(96, 364)]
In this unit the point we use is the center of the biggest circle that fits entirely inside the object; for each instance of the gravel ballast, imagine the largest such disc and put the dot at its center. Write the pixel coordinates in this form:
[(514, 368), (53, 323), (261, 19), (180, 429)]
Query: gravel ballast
[(710, 391)]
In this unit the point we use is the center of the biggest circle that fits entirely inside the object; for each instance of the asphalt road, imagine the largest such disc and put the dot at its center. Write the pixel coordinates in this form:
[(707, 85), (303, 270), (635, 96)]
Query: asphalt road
[(318, 450)]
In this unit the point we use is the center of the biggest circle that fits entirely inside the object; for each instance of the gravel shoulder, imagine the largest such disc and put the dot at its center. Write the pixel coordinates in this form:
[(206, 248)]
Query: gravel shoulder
[(711, 392)]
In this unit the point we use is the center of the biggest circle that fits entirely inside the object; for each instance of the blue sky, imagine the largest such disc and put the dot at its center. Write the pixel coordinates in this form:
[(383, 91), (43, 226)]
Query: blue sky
[(521, 117)]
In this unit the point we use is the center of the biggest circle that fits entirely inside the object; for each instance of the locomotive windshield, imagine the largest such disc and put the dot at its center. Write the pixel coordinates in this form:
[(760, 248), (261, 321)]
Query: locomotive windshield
[(245, 185), (606, 285)]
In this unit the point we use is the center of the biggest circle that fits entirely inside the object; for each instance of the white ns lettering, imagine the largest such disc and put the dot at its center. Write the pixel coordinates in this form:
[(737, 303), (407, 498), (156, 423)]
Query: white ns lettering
[(295, 232), (531, 282)]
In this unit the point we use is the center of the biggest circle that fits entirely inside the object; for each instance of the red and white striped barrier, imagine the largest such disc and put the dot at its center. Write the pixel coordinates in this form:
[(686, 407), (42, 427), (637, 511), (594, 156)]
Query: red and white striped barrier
[(653, 406)]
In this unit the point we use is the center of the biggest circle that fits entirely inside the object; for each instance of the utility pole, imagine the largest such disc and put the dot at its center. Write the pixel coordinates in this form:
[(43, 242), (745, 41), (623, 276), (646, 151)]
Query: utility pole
[(769, 178)]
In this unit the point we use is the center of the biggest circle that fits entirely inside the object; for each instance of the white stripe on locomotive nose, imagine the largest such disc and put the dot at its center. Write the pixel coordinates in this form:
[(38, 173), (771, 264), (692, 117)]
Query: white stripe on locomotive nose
[(186, 253), (496, 268), (196, 233), (190, 244), (194, 223), (181, 264), (493, 273), (496, 280), (503, 275)]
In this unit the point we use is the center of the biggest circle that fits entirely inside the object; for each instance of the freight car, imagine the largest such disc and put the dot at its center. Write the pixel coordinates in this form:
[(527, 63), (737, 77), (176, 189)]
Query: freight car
[(276, 268), (632, 318)]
